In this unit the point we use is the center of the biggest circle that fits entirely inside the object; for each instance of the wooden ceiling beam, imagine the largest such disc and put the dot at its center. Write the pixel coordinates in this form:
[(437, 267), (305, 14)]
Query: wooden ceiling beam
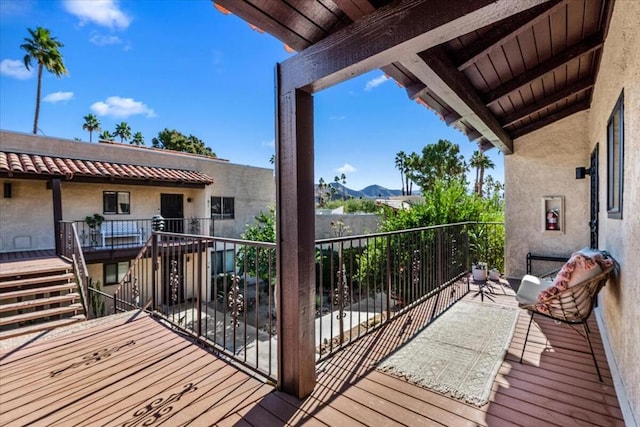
[(586, 46), (435, 67), (355, 9), (505, 31), (451, 118), (255, 16), (389, 34), (580, 106), (416, 90), (578, 87)]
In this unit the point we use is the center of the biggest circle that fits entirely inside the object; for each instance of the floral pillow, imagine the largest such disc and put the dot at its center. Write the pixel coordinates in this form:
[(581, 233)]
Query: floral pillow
[(582, 266)]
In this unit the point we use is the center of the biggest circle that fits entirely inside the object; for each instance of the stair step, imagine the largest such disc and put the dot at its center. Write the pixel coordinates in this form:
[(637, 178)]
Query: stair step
[(36, 280), (40, 314), (41, 327), (22, 305), (35, 291), (33, 271)]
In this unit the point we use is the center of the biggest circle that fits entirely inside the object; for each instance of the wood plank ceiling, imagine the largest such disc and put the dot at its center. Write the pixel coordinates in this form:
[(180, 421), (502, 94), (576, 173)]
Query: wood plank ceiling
[(494, 84)]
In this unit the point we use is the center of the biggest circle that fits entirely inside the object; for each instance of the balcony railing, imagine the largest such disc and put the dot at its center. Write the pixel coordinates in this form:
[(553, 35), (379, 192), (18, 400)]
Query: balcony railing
[(222, 291), (132, 233)]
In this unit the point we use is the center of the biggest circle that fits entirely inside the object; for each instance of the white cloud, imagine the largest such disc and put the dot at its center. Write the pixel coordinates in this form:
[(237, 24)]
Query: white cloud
[(102, 40), (15, 68), (17, 8), (346, 168), (102, 12), (118, 107), (58, 96), (373, 83), (337, 117), (270, 144)]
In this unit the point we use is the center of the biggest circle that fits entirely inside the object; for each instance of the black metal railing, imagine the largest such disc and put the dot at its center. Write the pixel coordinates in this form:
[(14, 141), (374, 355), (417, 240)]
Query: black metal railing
[(362, 282), (222, 291), (132, 233)]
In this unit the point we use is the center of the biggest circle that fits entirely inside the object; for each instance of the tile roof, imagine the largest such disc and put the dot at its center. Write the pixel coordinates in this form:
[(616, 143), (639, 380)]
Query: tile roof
[(34, 164)]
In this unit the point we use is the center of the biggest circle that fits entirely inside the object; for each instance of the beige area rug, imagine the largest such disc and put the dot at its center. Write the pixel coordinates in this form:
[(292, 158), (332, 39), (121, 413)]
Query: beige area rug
[(459, 354)]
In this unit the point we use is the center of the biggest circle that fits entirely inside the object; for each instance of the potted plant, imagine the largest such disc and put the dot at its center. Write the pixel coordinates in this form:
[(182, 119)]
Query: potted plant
[(479, 271), (94, 221)]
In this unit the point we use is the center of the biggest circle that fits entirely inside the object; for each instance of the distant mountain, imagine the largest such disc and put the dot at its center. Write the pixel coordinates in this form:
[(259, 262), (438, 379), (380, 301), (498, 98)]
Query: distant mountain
[(370, 192)]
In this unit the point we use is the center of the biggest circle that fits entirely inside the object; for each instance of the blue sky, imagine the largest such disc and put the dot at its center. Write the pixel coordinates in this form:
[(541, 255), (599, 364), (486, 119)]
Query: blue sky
[(184, 65)]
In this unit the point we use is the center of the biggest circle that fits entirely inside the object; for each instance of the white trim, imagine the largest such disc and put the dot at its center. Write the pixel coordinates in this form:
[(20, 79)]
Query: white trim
[(623, 400)]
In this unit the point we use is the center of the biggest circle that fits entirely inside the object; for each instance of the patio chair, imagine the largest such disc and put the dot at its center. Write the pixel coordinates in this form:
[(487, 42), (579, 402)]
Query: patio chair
[(572, 305)]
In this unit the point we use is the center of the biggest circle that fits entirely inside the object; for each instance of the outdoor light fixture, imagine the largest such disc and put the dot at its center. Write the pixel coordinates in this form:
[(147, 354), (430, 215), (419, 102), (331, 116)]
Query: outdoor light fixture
[(582, 171)]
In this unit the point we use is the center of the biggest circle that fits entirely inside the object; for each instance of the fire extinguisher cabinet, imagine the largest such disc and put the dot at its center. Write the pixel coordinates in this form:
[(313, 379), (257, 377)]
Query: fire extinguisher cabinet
[(552, 214)]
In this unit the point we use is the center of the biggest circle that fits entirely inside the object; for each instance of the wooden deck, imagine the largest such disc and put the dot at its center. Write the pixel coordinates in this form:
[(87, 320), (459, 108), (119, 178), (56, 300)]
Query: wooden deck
[(127, 373)]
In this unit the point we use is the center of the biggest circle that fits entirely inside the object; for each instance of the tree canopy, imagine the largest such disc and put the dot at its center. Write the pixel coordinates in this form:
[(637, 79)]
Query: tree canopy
[(43, 49), (439, 161), (174, 140), (91, 123), (123, 130)]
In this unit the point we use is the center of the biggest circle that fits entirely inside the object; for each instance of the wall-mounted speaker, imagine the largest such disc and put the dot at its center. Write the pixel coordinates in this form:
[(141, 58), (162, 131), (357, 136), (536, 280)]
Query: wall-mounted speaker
[(8, 190)]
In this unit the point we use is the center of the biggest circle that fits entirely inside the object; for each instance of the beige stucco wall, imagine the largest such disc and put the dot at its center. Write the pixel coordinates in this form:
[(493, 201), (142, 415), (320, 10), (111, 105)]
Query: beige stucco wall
[(26, 219), (620, 303), (358, 224), (543, 164)]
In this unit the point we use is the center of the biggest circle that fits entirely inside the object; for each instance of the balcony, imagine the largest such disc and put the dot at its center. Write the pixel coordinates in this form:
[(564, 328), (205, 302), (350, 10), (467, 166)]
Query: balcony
[(122, 238), (142, 363)]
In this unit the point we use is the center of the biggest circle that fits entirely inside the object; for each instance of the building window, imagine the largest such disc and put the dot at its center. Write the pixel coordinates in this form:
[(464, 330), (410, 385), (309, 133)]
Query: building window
[(615, 156), (222, 207), (114, 272), (116, 202)]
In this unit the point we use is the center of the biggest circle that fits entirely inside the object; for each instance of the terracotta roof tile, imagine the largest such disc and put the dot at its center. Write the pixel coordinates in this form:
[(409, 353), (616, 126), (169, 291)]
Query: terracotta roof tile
[(33, 164)]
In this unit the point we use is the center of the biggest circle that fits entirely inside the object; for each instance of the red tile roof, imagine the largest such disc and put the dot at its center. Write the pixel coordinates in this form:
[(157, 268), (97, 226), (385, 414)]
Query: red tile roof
[(34, 164)]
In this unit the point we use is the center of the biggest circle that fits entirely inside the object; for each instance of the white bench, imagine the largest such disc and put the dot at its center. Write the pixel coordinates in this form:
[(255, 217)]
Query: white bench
[(118, 229)]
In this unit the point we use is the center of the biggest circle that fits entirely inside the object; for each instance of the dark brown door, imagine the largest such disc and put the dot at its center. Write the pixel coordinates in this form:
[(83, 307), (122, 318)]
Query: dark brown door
[(171, 208), (593, 223)]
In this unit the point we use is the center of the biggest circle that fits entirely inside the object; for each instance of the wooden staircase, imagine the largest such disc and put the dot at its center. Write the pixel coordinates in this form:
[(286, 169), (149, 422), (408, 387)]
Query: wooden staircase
[(37, 295)]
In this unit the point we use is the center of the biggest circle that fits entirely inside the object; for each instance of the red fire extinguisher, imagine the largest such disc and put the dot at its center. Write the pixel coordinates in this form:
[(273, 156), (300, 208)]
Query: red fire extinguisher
[(552, 219)]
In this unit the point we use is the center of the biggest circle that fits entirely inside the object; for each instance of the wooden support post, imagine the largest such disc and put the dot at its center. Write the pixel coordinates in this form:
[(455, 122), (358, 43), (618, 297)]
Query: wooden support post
[(57, 213), (295, 231)]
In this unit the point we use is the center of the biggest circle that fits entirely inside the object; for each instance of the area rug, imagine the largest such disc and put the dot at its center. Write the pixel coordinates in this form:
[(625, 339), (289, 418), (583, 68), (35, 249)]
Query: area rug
[(459, 354)]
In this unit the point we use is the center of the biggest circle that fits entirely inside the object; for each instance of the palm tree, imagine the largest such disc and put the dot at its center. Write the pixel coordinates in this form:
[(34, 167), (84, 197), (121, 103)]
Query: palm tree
[(42, 49), (123, 131), (401, 161), (475, 163), (137, 139), (413, 163), (91, 123), (481, 163), (106, 136), (342, 179)]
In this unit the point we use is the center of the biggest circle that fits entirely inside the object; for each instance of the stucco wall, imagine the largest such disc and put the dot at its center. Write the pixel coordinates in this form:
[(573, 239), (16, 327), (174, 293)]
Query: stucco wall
[(620, 303), (26, 219), (358, 224), (543, 164)]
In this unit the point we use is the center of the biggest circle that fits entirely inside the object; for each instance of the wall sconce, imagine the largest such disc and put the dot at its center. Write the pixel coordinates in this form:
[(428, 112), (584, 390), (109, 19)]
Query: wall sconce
[(582, 171), (188, 199), (7, 190)]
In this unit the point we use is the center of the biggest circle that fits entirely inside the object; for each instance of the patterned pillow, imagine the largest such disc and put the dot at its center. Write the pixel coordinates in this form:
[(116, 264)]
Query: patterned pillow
[(582, 265)]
